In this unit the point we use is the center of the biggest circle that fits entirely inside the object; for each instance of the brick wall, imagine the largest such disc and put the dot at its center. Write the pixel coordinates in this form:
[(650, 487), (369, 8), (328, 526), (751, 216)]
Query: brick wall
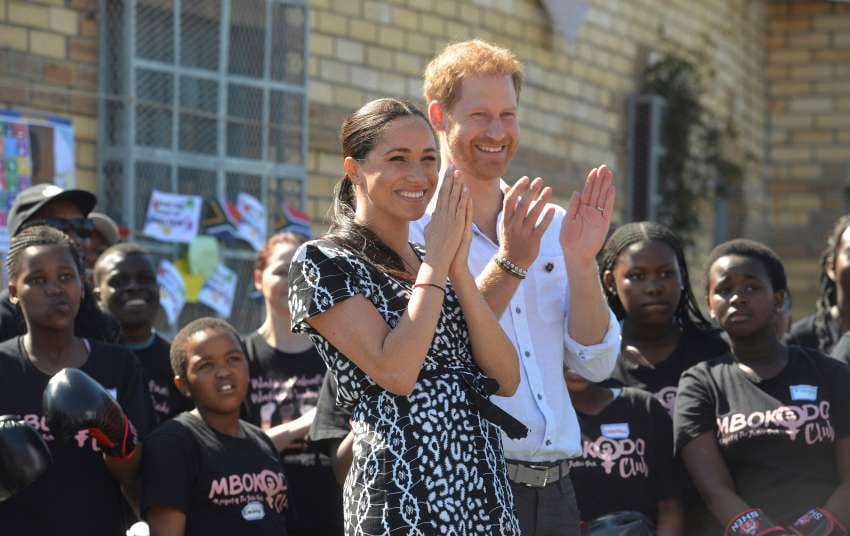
[(48, 64), (808, 171), (573, 107)]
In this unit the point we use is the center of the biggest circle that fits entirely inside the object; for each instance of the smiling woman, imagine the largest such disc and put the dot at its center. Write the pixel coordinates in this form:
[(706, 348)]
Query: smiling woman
[(372, 302)]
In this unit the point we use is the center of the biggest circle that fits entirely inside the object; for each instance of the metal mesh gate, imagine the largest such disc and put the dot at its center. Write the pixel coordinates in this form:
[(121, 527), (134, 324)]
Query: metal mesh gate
[(205, 97)]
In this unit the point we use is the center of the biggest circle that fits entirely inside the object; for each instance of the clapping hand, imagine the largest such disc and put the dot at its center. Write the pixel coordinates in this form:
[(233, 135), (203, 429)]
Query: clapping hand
[(588, 218), (446, 230), (522, 228)]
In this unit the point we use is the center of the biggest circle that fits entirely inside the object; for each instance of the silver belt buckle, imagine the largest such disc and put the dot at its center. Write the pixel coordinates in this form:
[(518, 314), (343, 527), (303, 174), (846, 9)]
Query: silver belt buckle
[(545, 469)]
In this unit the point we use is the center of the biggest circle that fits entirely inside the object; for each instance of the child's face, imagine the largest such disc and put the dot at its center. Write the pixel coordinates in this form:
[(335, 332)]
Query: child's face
[(273, 282), (127, 288), (216, 371), (741, 297), (48, 287), (647, 280)]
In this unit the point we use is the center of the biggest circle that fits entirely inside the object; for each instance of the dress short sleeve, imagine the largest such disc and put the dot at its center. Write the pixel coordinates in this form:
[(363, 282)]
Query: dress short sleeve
[(695, 407), (321, 275)]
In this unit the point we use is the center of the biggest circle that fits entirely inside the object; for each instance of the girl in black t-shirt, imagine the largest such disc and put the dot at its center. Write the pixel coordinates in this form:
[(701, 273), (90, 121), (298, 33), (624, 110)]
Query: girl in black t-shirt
[(764, 430), (206, 472), (286, 377), (646, 281), (831, 319), (627, 456), (80, 492)]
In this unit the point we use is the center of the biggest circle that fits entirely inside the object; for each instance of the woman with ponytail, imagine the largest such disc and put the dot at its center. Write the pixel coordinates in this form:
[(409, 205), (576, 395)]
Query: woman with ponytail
[(413, 346)]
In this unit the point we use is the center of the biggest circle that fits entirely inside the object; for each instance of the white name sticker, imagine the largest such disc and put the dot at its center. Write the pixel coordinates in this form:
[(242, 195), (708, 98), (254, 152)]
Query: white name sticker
[(804, 392), (615, 430), (253, 511)]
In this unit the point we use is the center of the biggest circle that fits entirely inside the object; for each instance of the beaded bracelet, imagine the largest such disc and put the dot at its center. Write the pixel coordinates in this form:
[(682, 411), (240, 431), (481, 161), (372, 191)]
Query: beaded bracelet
[(425, 285), (505, 264)]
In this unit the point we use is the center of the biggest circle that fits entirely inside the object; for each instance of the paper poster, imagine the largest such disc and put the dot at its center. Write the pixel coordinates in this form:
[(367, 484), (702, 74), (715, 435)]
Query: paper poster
[(219, 291), (173, 217), (15, 161), (172, 290), (252, 220), (203, 255), (192, 282)]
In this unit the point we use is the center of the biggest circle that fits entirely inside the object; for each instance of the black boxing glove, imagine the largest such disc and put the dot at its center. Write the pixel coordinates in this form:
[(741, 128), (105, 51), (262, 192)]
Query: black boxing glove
[(818, 522), (752, 522), (24, 456), (73, 401)]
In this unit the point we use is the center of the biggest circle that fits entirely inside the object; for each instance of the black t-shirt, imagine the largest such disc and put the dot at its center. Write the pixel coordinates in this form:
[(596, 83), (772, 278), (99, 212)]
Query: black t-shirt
[(841, 350), (662, 379), (332, 421), (777, 436), (627, 457), (156, 363), (91, 322), (77, 494), (225, 485), (283, 387), (804, 333)]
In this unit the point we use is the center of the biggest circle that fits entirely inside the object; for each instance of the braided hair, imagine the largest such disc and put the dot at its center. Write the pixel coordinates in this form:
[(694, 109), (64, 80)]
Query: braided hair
[(828, 287), (39, 235), (90, 320), (687, 314)]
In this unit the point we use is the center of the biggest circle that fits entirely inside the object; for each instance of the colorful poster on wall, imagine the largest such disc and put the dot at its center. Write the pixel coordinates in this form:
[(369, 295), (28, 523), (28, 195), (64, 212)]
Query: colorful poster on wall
[(33, 149), (172, 290), (173, 217), (252, 220), (219, 291)]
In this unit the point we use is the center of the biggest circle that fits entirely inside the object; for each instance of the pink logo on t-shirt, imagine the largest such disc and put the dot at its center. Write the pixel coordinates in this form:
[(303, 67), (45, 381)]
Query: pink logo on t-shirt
[(626, 455), (810, 419), (240, 489)]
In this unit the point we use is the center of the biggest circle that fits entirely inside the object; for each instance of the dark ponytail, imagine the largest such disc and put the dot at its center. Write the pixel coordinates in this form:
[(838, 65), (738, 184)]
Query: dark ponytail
[(359, 134)]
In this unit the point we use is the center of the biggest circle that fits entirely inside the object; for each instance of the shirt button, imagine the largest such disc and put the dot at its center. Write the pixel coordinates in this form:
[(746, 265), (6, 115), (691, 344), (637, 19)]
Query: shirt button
[(518, 310), (539, 397), (527, 353)]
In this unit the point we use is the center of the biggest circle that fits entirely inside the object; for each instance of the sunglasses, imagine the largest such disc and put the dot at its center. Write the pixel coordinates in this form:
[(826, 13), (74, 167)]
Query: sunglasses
[(79, 227)]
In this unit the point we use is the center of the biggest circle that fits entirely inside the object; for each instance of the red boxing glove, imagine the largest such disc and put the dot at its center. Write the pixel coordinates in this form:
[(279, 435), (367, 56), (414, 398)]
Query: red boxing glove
[(74, 401), (752, 522), (818, 522)]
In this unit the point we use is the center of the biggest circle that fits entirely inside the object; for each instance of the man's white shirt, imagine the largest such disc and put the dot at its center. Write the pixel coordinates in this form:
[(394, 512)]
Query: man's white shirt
[(536, 323)]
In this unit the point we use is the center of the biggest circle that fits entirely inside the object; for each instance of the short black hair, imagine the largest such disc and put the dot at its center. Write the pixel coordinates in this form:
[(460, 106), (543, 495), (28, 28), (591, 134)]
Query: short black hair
[(688, 313), (125, 248), (753, 250), (178, 345)]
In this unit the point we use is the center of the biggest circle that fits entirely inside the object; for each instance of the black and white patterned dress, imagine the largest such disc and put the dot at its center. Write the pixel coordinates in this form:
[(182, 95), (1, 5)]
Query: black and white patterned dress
[(426, 463)]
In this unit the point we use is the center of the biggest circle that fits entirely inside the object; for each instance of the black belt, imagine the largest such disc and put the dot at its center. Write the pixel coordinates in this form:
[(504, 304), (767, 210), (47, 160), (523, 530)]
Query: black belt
[(479, 395), (490, 411)]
